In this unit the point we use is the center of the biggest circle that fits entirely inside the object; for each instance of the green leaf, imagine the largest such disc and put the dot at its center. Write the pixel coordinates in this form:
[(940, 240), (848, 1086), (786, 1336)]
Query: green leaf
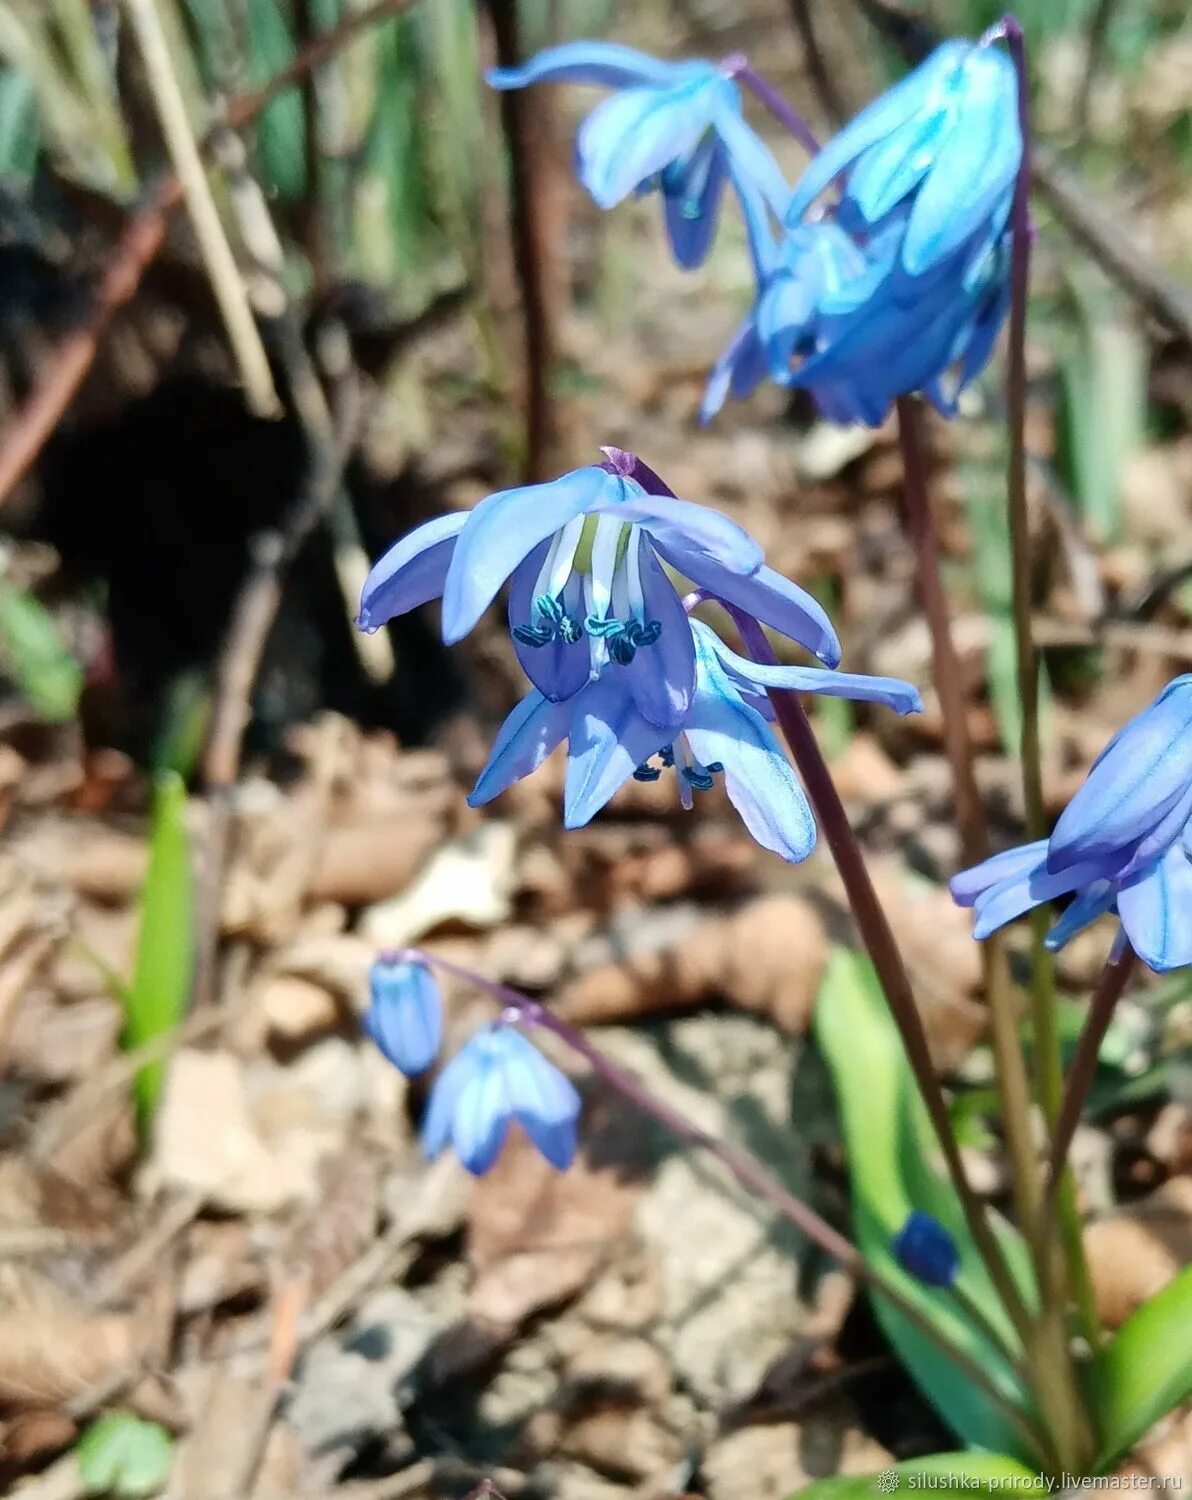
[(281, 130), (35, 653), (20, 134), (973, 1472), (1145, 1370), (892, 1152), (122, 1455), (161, 981)]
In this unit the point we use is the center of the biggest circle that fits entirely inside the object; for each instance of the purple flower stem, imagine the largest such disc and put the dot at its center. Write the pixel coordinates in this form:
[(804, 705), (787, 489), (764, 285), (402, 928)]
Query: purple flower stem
[(883, 951), (748, 1171), (738, 67), (1114, 979), (1049, 1070)]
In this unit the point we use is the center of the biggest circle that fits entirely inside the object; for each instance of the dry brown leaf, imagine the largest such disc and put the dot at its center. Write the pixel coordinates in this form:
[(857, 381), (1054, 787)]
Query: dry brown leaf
[(1134, 1253), (53, 1348), (767, 957), (536, 1237)]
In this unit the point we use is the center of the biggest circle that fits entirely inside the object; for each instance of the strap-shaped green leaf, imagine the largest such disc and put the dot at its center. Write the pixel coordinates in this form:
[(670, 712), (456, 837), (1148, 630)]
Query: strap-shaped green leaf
[(892, 1154), (1145, 1370), (972, 1473)]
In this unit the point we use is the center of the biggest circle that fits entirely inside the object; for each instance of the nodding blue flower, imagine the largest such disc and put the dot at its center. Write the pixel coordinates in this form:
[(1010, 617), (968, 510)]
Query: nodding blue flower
[(405, 1014), (1123, 843), (495, 1078), (925, 1248), (673, 125), (726, 733), (943, 148), (589, 595)]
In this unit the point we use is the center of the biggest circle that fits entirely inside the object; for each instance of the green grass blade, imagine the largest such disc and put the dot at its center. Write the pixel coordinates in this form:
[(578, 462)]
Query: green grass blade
[(892, 1153), (165, 951), (20, 133), (33, 651), (971, 1473), (281, 130), (1145, 1370)]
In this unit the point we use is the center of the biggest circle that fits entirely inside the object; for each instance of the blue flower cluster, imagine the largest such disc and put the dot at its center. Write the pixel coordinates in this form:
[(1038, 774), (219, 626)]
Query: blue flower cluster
[(619, 670), (900, 285), (1123, 844), (497, 1078)]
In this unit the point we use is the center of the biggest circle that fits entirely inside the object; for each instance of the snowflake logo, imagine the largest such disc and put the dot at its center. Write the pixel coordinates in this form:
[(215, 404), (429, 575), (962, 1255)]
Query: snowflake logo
[(888, 1481)]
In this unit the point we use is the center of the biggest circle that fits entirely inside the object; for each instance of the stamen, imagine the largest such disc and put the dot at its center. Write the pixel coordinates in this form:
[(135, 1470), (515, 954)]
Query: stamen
[(644, 633), (570, 630), (647, 772), (667, 756), (699, 778), (533, 635)]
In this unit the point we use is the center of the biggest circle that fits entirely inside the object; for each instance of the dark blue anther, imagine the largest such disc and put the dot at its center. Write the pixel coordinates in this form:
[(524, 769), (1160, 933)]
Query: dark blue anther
[(667, 756), (533, 635), (701, 779), (647, 772), (570, 630), (604, 629), (644, 633), (621, 649), (549, 608), (554, 625)]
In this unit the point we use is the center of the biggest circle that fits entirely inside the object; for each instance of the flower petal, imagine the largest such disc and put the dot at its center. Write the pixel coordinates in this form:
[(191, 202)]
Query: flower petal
[(482, 1111), (405, 1014), (740, 369), (1010, 898), (1144, 770), (1155, 907), (505, 528), (411, 572), (691, 192), (901, 696), (524, 740), (606, 63), (560, 668), (757, 776), (768, 597), (698, 529), (1009, 865), (750, 162), (545, 1102), (1085, 907), (609, 740), (661, 676), (635, 134), (444, 1096)]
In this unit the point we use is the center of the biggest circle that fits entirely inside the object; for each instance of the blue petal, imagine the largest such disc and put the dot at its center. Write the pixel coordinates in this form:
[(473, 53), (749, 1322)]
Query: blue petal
[(483, 1111), (691, 193), (887, 113), (632, 136), (784, 315), (444, 1096), (411, 572), (757, 776), (1009, 865), (892, 168), (606, 63), (740, 369), (894, 693), (973, 169), (545, 1102), (1136, 781), (1156, 912), (405, 1015), (505, 528), (609, 740), (1085, 907), (698, 529), (560, 668), (525, 739), (1160, 838), (1009, 899), (768, 597), (661, 676), (751, 164)]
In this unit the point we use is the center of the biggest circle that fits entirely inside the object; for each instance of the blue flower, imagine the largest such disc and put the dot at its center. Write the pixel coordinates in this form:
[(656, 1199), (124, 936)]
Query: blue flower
[(925, 1248), (675, 126), (495, 1078), (1123, 843), (726, 732), (405, 1013), (943, 147), (589, 596)]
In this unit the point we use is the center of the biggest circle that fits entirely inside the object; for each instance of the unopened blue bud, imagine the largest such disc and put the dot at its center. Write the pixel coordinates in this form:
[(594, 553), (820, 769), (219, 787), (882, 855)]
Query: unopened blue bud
[(925, 1248), (405, 1014)]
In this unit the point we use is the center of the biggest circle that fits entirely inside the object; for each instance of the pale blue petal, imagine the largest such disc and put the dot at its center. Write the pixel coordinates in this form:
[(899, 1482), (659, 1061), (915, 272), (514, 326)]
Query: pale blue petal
[(609, 740), (1009, 899), (525, 739), (740, 369), (784, 315), (698, 529), (413, 571), (560, 668), (768, 597), (751, 164), (444, 1096), (1011, 864), (974, 167), (1156, 912), (1137, 780), (605, 63), (892, 168), (661, 676), (1158, 840), (405, 1015), (483, 1111), (901, 696), (635, 134), (887, 114), (505, 528), (545, 1102), (1085, 907), (757, 776)]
